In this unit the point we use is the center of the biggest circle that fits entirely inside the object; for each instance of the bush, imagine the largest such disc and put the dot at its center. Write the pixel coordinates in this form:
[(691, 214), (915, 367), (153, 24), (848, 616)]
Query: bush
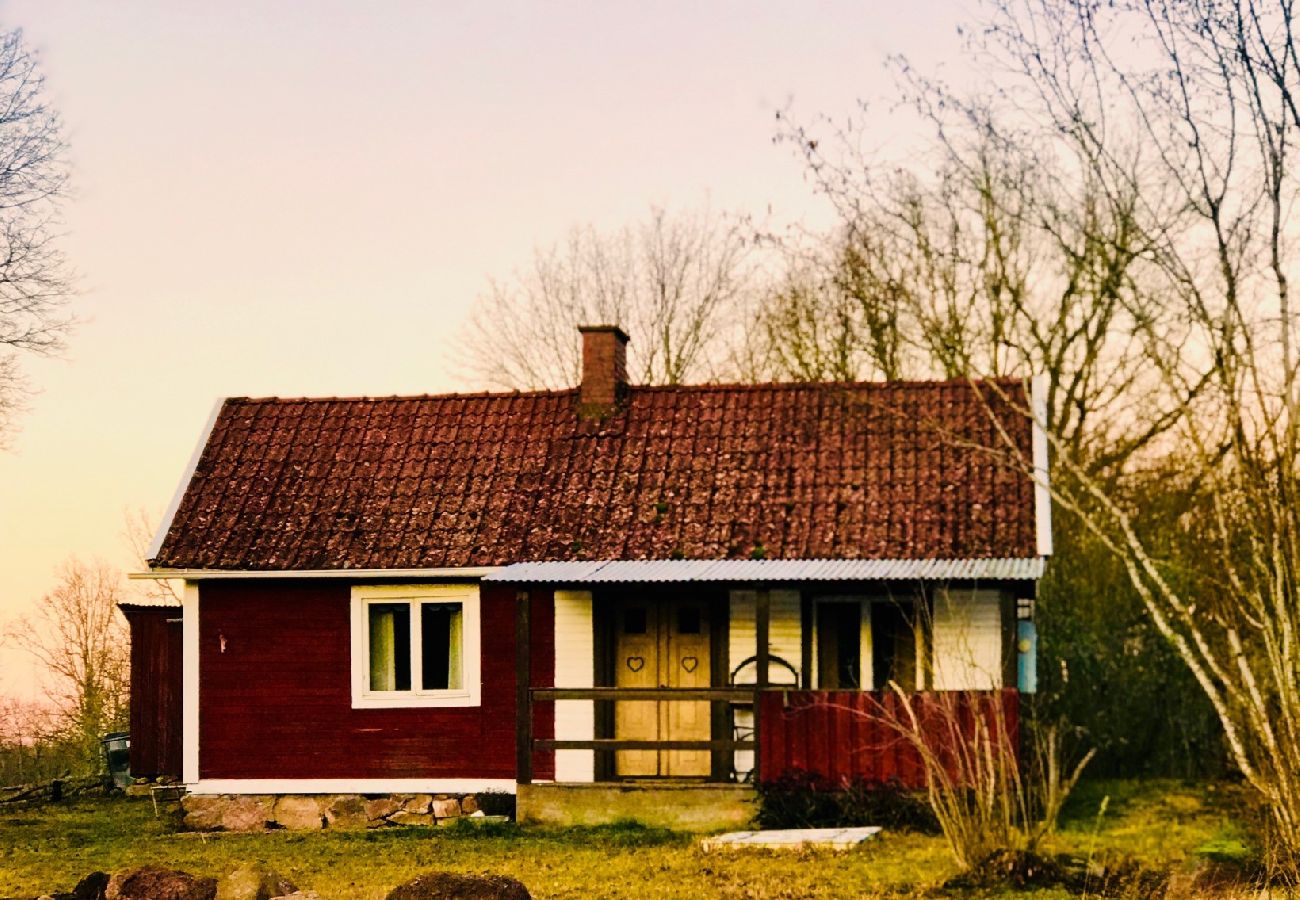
[(807, 800), (496, 803)]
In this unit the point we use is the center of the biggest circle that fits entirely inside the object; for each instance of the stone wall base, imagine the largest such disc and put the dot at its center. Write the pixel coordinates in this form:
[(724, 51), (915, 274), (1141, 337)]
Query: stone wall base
[(309, 812)]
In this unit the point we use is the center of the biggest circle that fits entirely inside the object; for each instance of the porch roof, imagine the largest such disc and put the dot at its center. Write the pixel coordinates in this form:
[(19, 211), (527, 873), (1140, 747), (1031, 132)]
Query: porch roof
[(625, 571)]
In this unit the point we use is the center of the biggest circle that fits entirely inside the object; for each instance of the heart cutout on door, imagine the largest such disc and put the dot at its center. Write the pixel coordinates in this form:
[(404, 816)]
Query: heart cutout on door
[(636, 663), (689, 663)]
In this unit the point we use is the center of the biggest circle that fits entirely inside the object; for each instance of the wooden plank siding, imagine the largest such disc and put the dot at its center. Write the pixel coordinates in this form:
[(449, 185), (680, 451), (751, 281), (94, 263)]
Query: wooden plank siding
[(275, 694), (968, 636), (840, 735), (574, 668), (155, 689)]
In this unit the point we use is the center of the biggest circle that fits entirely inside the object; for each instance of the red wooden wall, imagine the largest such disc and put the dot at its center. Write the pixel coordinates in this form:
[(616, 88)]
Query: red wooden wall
[(843, 736), (277, 702), (155, 689)]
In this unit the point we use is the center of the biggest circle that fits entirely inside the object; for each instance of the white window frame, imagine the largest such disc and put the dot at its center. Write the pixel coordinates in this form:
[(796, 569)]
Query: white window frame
[(471, 690)]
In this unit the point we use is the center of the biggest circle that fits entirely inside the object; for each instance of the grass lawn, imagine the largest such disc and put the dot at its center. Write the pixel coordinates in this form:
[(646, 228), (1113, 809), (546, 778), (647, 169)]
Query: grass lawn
[(50, 848)]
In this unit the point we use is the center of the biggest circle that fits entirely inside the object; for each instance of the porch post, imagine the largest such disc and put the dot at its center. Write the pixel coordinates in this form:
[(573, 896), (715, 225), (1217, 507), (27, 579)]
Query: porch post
[(523, 693), (762, 621)]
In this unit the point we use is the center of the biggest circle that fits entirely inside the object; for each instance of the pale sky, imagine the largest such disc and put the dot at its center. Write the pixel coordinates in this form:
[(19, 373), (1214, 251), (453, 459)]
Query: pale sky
[(305, 198)]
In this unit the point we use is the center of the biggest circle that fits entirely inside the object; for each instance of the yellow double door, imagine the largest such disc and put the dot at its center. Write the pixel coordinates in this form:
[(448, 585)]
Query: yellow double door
[(662, 644)]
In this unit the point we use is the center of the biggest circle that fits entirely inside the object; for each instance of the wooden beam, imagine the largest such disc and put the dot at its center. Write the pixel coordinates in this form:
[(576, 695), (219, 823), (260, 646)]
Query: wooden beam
[(523, 691), (616, 744), (762, 626), (805, 640), (731, 694)]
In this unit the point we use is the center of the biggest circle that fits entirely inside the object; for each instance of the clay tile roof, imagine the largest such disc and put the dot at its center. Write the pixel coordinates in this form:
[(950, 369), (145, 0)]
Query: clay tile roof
[(899, 470)]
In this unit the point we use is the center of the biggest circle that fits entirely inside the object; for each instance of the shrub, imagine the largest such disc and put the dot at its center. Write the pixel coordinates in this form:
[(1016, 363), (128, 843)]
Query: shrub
[(496, 803), (807, 800)]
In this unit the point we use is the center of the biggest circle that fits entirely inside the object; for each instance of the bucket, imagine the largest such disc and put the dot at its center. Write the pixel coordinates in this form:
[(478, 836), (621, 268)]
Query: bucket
[(117, 751)]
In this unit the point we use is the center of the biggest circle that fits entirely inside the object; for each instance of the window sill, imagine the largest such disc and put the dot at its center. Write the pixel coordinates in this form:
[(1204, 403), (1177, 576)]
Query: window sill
[(416, 701)]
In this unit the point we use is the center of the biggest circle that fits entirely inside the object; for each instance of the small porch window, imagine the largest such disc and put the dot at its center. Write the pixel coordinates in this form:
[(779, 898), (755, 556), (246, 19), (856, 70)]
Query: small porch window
[(415, 645)]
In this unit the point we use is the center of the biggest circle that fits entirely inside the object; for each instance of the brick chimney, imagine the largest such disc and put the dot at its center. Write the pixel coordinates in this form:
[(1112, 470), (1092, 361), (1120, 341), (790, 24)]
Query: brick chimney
[(604, 369)]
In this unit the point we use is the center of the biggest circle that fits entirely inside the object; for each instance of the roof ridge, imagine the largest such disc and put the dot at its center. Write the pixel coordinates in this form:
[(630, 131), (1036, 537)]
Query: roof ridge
[(729, 387)]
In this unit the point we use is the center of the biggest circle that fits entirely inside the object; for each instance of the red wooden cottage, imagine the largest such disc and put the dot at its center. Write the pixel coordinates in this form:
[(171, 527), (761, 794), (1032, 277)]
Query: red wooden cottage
[(557, 591)]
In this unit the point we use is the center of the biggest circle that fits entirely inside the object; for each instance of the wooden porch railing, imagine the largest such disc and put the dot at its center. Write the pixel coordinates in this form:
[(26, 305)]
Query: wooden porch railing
[(840, 736), (846, 736), (526, 696), (723, 695)]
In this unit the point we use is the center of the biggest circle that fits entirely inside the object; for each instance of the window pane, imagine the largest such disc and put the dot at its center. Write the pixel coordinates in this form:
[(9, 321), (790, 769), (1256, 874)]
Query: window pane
[(688, 620), (390, 646), (634, 621), (440, 634)]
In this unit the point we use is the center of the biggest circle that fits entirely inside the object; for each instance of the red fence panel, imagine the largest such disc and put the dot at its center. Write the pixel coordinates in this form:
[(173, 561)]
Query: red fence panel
[(847, 736)]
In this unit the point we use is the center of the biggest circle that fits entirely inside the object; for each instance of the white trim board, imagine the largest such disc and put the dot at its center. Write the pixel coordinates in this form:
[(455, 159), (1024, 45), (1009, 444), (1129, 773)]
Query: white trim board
[(166, 523), (1042, 482), (574, 668), (353, 574), (351, 785), (190, 684)]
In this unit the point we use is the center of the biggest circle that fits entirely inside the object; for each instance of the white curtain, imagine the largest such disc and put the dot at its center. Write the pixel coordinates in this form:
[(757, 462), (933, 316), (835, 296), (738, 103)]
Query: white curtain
[(383, 645)]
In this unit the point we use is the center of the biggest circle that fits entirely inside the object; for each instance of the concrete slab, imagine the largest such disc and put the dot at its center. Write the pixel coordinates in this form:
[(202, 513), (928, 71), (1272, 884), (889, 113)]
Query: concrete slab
[(791, 839)]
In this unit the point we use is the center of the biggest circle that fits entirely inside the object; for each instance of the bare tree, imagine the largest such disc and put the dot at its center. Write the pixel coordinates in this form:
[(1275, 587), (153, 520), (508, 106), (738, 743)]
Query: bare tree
[(674, 282), (34, 278), (138, 532), (1144, 150), (976, 260), (30, 746), (79, 638)]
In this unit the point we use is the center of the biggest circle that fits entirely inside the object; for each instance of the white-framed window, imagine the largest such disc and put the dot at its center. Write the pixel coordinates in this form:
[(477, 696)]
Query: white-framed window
[(415, 645)]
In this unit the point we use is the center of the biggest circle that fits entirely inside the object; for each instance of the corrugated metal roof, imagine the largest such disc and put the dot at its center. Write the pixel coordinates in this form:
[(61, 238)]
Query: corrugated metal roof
[(767, 570)]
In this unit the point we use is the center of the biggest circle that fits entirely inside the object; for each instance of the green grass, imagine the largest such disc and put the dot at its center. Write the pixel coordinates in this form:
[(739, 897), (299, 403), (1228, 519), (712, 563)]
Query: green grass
[(47, 849)]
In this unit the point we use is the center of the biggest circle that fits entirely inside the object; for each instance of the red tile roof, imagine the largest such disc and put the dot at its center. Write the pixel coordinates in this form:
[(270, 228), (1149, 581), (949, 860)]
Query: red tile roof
[(849, 471)]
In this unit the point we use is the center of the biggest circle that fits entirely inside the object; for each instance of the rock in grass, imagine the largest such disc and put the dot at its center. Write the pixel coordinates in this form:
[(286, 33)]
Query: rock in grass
[(449, 885), (253, 883), (154, 883), (92, 887)]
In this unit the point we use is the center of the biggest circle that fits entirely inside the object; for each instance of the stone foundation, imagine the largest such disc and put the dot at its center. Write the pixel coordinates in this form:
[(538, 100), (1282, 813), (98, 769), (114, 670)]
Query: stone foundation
[(309, 812)]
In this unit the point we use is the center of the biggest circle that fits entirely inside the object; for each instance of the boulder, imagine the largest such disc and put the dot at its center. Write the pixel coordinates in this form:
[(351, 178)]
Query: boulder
[(92, 887), (298, 813), (299, 895), (469, 804), (203, 813), (380, 809), (418, 803), (454, 886), (402, 817), (153, 883), (253, 883), (345, 811), (446, 809), (241, 813)]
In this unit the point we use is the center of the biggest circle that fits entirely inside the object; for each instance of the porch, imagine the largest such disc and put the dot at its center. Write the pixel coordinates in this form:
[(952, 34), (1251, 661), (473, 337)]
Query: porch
[(748, 713), (836, 737)]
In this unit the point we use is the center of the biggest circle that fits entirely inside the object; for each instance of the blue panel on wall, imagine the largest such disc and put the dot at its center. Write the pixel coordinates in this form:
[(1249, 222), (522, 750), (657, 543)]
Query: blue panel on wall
[(1026, 656)]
